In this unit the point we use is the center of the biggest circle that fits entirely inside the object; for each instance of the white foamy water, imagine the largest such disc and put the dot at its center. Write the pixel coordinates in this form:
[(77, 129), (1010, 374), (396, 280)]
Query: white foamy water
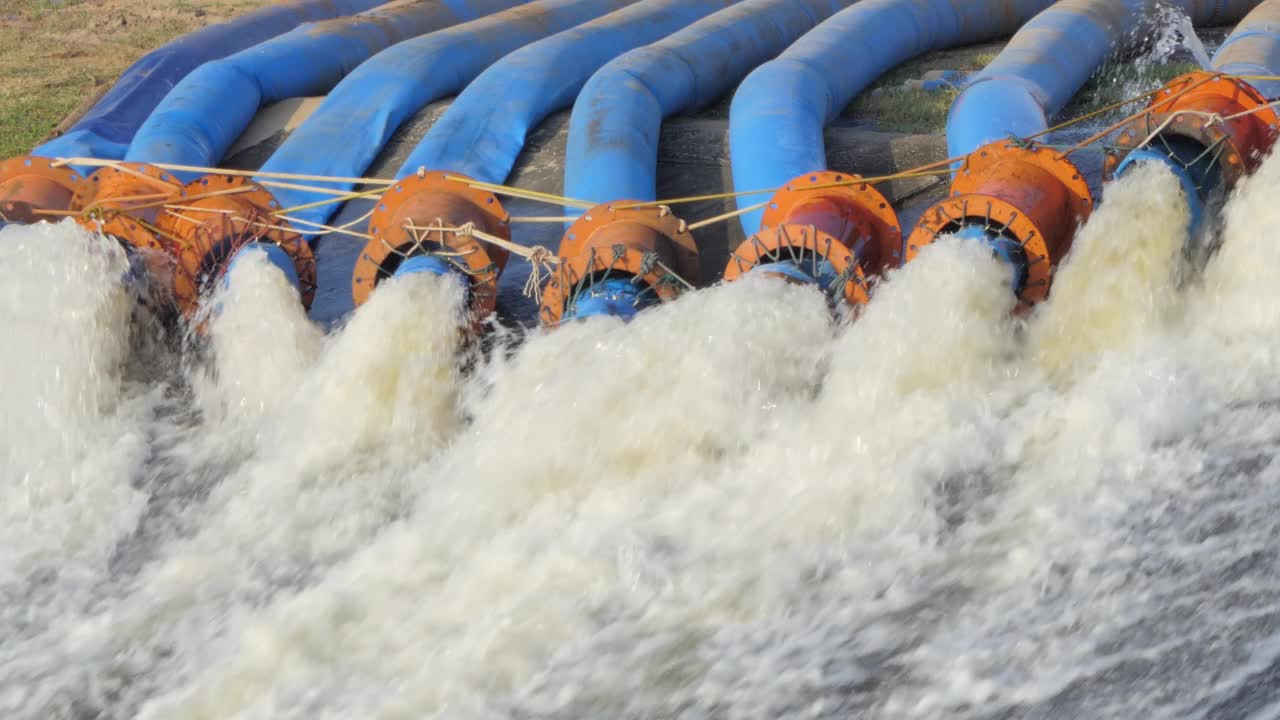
[(732, 507)]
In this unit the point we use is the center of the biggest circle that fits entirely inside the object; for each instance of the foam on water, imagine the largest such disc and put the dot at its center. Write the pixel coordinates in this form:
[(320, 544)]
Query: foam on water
[(731, 507)]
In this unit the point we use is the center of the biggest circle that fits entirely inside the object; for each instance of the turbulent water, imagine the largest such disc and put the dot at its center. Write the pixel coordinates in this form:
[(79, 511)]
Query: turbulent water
[(732, 507)]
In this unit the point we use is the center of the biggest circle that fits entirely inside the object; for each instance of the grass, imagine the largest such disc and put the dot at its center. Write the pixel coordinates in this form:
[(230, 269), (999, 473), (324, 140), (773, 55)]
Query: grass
[(888, 106), (54, 53)]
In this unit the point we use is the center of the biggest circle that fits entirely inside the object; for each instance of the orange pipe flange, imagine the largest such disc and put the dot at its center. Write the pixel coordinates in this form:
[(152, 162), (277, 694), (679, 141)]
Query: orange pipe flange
[(125, 201), (221, 216), (31, 184), (1201, 115), (644, 244), (443, 200), (822, 218), (1022, 193)]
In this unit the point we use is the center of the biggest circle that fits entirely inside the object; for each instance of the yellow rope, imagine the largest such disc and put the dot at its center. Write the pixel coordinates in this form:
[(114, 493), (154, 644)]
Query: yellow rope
[(96, 162), (519, 193)]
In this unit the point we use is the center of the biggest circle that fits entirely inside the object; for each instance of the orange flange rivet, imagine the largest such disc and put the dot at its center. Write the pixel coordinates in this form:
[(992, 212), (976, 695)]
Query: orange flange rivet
[(419, 218), (1218, 121), (125, 201), (30, 185), (220, 216), (824, 228), (616, 260), (1025, 200)]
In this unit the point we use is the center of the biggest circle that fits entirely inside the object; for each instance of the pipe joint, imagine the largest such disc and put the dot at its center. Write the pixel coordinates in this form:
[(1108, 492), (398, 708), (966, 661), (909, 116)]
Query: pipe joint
[(612, 247), (1217, 121), (220, 218), (824, 228), (427, 215), (1013, 194), (31, 184)]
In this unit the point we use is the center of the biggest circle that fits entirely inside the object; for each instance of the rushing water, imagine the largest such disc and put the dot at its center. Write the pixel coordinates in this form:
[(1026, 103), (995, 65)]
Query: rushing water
[(732, 507)]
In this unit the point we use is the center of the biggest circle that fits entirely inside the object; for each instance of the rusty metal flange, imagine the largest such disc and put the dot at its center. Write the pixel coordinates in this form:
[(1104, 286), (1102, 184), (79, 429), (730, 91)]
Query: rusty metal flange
[(648, 228), (795, 242), (29, 184), (125, 201), (861, 214), (1200, 115), (209, 229), (441, 200), (597, 263), (951, 213)]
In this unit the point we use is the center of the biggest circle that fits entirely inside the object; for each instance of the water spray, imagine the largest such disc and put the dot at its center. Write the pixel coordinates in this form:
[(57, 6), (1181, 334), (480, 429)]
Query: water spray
[(824, 229)]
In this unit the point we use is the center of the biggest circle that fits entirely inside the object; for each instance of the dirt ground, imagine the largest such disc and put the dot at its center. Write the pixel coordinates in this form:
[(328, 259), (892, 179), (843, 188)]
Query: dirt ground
[(56, 53)]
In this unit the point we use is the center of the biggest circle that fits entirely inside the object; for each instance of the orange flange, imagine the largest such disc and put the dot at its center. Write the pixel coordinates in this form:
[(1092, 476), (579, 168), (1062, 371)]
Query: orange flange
[(646, 244), (826, 217), (401, 227), (124, 201), (806, 244), (856, 215), (1201, 115), (31, 184), (1029, 194), (219, 216)]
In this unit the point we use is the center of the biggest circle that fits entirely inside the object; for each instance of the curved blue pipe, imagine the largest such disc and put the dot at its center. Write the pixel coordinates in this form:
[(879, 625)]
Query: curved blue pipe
[(207, 111), (1050, 58), (482, 133), (344, 135), (778, 113), (1253, 48), (107, 129), (612, 152)]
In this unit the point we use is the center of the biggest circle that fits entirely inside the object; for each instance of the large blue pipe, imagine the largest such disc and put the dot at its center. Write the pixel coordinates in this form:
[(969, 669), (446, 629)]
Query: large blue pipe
[(778, 114), (108, 128), (207, 111), (482, 133), (344, 135), (1050, 58), (613, 134), (1254, 49)]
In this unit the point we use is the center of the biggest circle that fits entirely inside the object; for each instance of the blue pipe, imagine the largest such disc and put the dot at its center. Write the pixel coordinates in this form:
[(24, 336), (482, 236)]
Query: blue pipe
[(778, 113), (344, 135), (1254, 48), (482, 133), (207, 111), (1049, 59), (824, 276), (430, 264), (612, 152), (614, 297), (107, 129), (275, 255)]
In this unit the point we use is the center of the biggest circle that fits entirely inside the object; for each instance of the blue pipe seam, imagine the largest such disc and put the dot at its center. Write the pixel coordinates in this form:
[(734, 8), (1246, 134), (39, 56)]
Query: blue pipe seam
[(106, 130), (1253, 48), (779, 112), (344, 135), (1049, 59), (211, 107), (612, 152), (482, 133)]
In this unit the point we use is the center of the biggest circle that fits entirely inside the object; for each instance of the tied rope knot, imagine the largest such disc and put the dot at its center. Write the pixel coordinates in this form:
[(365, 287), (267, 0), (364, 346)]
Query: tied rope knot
[(540, 261)]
